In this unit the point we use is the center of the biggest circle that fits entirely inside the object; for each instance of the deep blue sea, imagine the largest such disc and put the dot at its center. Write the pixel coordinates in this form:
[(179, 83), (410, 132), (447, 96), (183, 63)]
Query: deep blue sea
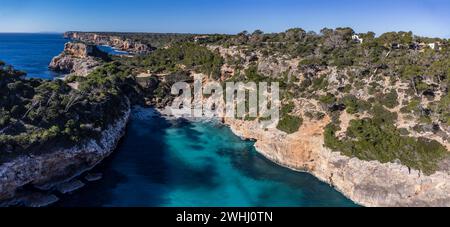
[(172, 163), (31, 53)]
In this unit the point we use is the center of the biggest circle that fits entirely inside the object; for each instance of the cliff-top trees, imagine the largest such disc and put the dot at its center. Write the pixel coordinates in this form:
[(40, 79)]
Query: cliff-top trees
[(191, 56), (390, 38), (370, 140), (37, 115)]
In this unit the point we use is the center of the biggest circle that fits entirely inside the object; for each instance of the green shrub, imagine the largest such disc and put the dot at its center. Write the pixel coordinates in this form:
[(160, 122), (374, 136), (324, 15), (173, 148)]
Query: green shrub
[(328, 99), (320, 83), (287, 108), (354, 105), (369, 140), (383, 116), (290, 124), (412, 106), (390, 100), (311, 62)]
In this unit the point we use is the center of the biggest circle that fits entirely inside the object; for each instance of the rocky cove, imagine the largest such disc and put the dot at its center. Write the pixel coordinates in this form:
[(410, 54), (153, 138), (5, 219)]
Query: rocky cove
[(174, 162), (368, 183), (42, 179), (363, 182)]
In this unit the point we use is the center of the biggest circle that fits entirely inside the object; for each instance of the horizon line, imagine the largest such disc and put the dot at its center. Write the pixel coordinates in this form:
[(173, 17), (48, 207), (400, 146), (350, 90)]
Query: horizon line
[(216, 33)]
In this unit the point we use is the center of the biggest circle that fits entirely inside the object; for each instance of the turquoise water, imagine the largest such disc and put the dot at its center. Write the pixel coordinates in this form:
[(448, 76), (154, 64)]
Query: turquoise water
[(112, 51), (172, 163), (31, 53)]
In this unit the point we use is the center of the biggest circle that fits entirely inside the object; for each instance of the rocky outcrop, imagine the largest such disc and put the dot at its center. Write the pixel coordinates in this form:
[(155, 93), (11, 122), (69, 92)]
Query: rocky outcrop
[(366, 183), (78, 59), (46, 170), (273, 65), (277, 67), (114, 41)]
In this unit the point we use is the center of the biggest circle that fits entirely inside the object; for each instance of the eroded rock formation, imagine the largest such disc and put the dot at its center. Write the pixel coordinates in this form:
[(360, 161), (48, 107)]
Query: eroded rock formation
[(47, 170), (78, 58), (367, 183)]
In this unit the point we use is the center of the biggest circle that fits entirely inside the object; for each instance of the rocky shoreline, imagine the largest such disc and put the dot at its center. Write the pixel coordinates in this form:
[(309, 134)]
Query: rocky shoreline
[(57, 167), (371, 184)]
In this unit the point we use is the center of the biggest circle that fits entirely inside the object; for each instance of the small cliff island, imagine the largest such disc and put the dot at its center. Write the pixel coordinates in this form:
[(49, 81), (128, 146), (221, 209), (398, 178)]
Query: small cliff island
[(368, 115), (78, 59)]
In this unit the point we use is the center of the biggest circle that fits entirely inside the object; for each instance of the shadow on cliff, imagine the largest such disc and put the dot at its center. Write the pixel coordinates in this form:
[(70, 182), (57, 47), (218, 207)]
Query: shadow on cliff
[(314, 193)]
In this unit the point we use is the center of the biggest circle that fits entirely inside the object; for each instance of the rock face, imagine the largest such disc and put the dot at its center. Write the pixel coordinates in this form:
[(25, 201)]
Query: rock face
[(44, 170), (274, 66), (81, 50), (78, 58), (117, 42), (366, 183)]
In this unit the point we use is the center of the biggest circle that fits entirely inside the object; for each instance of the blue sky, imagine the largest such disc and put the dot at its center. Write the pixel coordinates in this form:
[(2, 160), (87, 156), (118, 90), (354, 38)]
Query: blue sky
[(423, 17)]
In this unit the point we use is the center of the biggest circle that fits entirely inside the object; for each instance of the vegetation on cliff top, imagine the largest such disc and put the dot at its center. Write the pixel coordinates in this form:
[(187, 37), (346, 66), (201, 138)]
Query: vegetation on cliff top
[(369, 140), (183, 56), (289, 123), (37, 115), (158, 40)]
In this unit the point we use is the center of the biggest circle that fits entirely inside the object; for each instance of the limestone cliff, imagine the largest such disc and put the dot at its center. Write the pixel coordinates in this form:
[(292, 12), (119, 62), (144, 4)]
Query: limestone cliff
[(366, 183), (78, 58), (55, 166)]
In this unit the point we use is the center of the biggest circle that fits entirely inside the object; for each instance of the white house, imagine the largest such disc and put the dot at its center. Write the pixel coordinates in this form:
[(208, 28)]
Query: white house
[(432, 46), (357, 39)]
